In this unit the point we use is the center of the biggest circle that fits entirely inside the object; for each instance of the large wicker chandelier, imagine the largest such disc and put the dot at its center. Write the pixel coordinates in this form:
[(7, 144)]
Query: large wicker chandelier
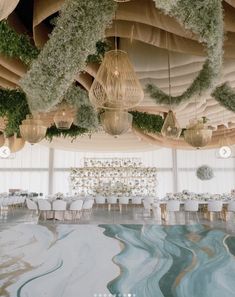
[(171, 128), (116, 85), (197, 134), (32, 129), (116, 122), (63, 119)]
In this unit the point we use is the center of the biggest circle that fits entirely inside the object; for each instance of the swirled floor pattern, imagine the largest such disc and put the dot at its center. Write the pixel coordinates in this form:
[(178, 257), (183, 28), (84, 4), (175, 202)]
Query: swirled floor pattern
[(116, 260)]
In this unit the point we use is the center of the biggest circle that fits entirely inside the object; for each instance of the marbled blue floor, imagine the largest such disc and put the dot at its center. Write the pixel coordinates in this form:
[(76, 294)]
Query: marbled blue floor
[(176, 261), (50, 260)]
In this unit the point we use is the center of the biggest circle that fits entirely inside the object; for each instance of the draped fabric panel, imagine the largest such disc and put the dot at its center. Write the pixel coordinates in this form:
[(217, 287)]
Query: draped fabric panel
[(42, 10), (231, 2), (6, 8), (157, 139)]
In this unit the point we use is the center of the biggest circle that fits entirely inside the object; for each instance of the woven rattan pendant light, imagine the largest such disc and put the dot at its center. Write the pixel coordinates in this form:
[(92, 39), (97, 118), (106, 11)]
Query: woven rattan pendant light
[(116, 122), (116, 85), (197, 134), (33, 129), (63, 119)]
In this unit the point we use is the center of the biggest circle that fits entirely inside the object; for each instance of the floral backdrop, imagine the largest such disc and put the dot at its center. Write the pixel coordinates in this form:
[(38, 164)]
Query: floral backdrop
[(114, 177)]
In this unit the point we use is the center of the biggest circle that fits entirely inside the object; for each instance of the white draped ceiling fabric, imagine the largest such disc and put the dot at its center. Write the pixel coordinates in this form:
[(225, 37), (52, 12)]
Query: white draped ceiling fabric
[(142, 30)]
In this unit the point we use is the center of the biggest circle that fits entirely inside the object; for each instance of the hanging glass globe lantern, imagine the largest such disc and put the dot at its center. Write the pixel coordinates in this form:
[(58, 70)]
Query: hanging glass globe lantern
[(171, 128), (116, 85), (15, 143), (32, 129), (197, 134), (116, 122), (63, 119)]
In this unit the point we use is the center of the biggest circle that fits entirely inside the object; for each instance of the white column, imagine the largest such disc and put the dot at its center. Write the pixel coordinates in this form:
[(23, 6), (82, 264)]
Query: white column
[(175, 170), (51, 171)]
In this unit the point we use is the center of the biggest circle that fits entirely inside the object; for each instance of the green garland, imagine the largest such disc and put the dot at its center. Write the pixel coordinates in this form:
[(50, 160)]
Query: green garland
[(79, 27), (205, 19), (13, 105), (86, 116), (16, 45), (225, 95), (102, 46), (73, 132), (148, 123)]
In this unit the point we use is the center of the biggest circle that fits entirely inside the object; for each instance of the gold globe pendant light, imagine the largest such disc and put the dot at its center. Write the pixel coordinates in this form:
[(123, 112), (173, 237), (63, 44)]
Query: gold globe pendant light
[(171, 128), (32, 129), (15, 143), (197, 134), (63, 119), (116, 85), (116, 122)]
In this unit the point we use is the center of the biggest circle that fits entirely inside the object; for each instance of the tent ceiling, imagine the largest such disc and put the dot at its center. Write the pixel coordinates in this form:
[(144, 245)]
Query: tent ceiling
[(142, 31)]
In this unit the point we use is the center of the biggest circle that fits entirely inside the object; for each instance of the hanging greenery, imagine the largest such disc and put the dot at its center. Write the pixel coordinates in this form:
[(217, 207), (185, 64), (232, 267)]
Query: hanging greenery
[(78, 28), (225, 95), (16, 45), (73, 132), (148, 123), (13, 105), (102, 46), (86, 116), (205, 19)]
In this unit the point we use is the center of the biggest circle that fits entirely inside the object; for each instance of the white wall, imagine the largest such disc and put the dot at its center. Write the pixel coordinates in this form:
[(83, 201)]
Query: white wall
[(29, 170)]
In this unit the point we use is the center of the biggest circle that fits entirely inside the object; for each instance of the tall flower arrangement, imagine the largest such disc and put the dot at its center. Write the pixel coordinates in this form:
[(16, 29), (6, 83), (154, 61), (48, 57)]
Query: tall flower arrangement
[(78, 28)]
